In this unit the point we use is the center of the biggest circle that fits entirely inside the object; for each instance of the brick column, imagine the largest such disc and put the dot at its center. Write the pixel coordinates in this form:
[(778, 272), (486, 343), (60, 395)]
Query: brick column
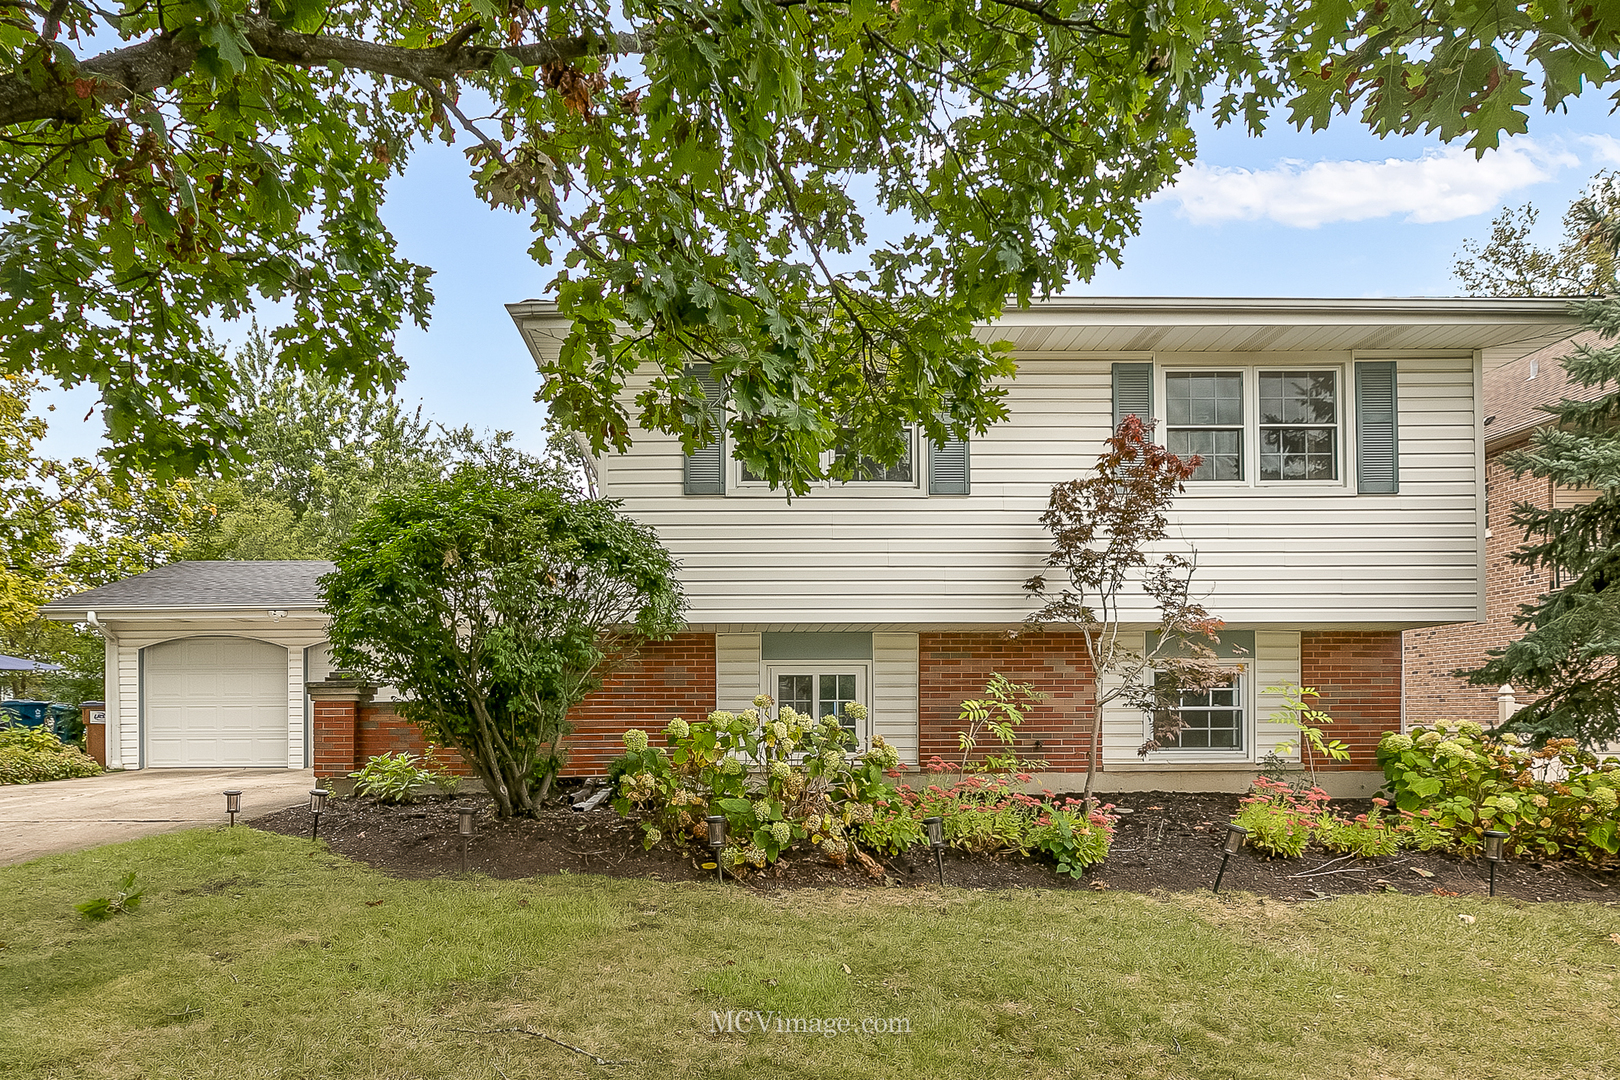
[(334, 717)]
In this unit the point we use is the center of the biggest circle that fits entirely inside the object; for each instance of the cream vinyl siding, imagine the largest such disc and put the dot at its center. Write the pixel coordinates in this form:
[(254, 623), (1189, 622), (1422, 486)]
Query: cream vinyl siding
[(736, 671), (896, 695), (1277, 554), (1275, 664)]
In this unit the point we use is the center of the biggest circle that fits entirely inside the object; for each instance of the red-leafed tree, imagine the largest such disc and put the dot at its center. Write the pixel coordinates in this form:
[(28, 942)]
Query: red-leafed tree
[(1105, 531)]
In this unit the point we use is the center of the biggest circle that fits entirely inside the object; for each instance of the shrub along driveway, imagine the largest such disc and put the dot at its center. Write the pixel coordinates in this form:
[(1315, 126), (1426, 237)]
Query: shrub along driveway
[(66, 815)]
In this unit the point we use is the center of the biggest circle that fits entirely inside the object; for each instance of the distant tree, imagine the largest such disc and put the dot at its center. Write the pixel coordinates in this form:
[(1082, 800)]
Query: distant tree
[(1510, 264), (496, 599), (1570, 652), (1104, 528)]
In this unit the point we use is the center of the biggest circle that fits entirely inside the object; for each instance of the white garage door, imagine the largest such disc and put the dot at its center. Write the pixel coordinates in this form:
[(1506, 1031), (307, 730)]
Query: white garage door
[(212, 701)]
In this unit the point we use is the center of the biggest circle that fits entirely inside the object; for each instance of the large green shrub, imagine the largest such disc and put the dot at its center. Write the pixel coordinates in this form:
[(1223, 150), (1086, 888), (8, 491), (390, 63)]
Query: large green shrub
[(1556, 802), (31, 755)]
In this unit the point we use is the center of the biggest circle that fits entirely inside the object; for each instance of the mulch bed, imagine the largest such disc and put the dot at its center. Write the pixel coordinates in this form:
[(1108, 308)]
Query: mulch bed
[(1165, 840)]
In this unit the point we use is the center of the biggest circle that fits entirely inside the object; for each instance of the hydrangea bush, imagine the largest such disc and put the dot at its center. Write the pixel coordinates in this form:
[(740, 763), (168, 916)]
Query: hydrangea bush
[(778, 778), (1556, 802), (784, 781)]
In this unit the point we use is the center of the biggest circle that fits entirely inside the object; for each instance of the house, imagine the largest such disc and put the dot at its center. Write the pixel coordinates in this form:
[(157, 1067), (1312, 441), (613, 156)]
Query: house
[(1341, 504), (1514, 394)]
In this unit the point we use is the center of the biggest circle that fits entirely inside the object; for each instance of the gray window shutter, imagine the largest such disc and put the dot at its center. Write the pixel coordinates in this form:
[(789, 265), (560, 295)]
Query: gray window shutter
[(1133, 392), (1378, 456), (948, 471), (706, 466)]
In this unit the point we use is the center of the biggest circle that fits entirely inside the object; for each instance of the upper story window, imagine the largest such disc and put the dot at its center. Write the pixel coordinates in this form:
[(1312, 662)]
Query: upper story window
[(1259, 424), (902, 473), (1299, 425), (1205, 417)]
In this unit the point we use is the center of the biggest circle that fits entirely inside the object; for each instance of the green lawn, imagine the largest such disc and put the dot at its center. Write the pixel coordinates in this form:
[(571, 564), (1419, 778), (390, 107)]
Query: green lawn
[(257, 955)]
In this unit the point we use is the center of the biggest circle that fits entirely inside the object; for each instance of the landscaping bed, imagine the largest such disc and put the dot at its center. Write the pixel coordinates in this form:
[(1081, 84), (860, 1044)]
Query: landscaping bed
[(1163, 840)]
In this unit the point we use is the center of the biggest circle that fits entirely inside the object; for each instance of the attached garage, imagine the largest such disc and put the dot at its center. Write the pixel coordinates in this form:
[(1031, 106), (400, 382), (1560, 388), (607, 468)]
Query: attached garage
[(207, 662), (215, 701)]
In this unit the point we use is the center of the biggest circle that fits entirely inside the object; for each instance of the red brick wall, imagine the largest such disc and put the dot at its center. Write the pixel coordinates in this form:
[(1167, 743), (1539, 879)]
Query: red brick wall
[(1358, 674), (332, 737), (954, 668), (669, 679), (1431, 654)]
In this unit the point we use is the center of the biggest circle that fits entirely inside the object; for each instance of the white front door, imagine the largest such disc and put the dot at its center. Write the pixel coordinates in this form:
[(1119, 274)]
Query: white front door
[(215, 701)]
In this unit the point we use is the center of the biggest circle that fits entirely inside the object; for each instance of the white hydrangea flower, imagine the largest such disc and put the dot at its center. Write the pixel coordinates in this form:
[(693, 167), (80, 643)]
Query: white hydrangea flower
[(635, 740), (721, 718), (781, 832), (781, 770), (1471, 729), (1398, 743), (763, 701), (678, 728)]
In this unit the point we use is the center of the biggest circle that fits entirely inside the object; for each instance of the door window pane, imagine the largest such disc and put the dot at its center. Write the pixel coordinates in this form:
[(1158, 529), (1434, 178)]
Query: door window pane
[(837, 690), (796, 692)]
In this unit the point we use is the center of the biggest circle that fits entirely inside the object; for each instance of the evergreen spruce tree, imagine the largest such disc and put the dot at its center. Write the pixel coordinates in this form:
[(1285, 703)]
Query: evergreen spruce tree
[(1570, 653)]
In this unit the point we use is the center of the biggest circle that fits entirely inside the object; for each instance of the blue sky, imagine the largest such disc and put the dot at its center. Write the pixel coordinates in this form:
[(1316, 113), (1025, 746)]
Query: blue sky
[(1337, 213)]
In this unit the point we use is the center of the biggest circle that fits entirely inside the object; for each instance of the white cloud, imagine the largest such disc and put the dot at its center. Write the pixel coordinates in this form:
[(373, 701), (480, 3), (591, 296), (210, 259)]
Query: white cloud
[(1605, 148), (1442, 185)]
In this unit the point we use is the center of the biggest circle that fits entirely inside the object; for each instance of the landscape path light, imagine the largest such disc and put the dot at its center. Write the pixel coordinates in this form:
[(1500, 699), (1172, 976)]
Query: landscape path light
[(1493, 852), (464, 826), (317, 807), (717, 840), (936, 840), (1235, 835), (233, 805)]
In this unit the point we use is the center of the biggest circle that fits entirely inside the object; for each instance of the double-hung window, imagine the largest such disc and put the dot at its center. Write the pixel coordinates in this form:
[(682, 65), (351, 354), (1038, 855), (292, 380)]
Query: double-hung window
[(903, 473), (1256, 424), (1299, 425), (1211, 719), (1205, 417)]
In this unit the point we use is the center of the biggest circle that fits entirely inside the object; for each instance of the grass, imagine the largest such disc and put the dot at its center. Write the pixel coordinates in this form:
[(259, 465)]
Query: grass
[(256, 955)]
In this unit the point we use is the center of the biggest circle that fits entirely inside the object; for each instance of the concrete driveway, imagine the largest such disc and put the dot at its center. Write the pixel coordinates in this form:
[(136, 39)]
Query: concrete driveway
[(66, 815)]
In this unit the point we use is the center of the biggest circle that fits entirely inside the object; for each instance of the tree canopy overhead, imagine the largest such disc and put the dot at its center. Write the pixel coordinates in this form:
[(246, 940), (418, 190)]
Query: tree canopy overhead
[(172, 162)]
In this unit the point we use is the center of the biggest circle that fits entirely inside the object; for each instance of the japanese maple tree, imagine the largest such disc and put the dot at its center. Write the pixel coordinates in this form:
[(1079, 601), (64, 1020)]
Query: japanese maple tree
[(1107, 531)]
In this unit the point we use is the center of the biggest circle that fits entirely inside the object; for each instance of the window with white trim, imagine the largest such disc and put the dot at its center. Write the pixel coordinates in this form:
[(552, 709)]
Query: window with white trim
[(1257, 425), (1204, 416), (1299, 425), (869, 472), (1211, 720)]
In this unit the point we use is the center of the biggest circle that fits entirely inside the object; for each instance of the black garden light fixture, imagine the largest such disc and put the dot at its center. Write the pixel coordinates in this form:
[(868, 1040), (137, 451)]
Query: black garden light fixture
[(317, 807), (717, 840), (464, 827), (1493, 852), (233, 805), (1235, 835), (936, 840)]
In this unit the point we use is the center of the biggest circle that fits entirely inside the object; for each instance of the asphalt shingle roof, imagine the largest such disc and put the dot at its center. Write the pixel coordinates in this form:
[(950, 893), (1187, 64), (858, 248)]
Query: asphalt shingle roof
[(1514, 391), (267, 584)]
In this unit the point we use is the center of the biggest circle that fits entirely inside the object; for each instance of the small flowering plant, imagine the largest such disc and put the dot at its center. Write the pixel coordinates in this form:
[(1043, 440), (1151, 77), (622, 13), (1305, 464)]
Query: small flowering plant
[(1558, 801), (777, 776)]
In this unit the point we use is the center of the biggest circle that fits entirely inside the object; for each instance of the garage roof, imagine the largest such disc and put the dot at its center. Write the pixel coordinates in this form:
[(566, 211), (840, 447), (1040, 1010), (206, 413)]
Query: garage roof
[(267, 584)]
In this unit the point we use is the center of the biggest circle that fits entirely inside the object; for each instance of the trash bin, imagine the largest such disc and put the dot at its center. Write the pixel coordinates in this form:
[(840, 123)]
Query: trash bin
[(63, 721), (95, 726)]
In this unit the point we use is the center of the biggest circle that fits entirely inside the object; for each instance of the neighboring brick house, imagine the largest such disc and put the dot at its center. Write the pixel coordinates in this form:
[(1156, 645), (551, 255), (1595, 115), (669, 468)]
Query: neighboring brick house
[(1514, 394), (1341, 504)]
